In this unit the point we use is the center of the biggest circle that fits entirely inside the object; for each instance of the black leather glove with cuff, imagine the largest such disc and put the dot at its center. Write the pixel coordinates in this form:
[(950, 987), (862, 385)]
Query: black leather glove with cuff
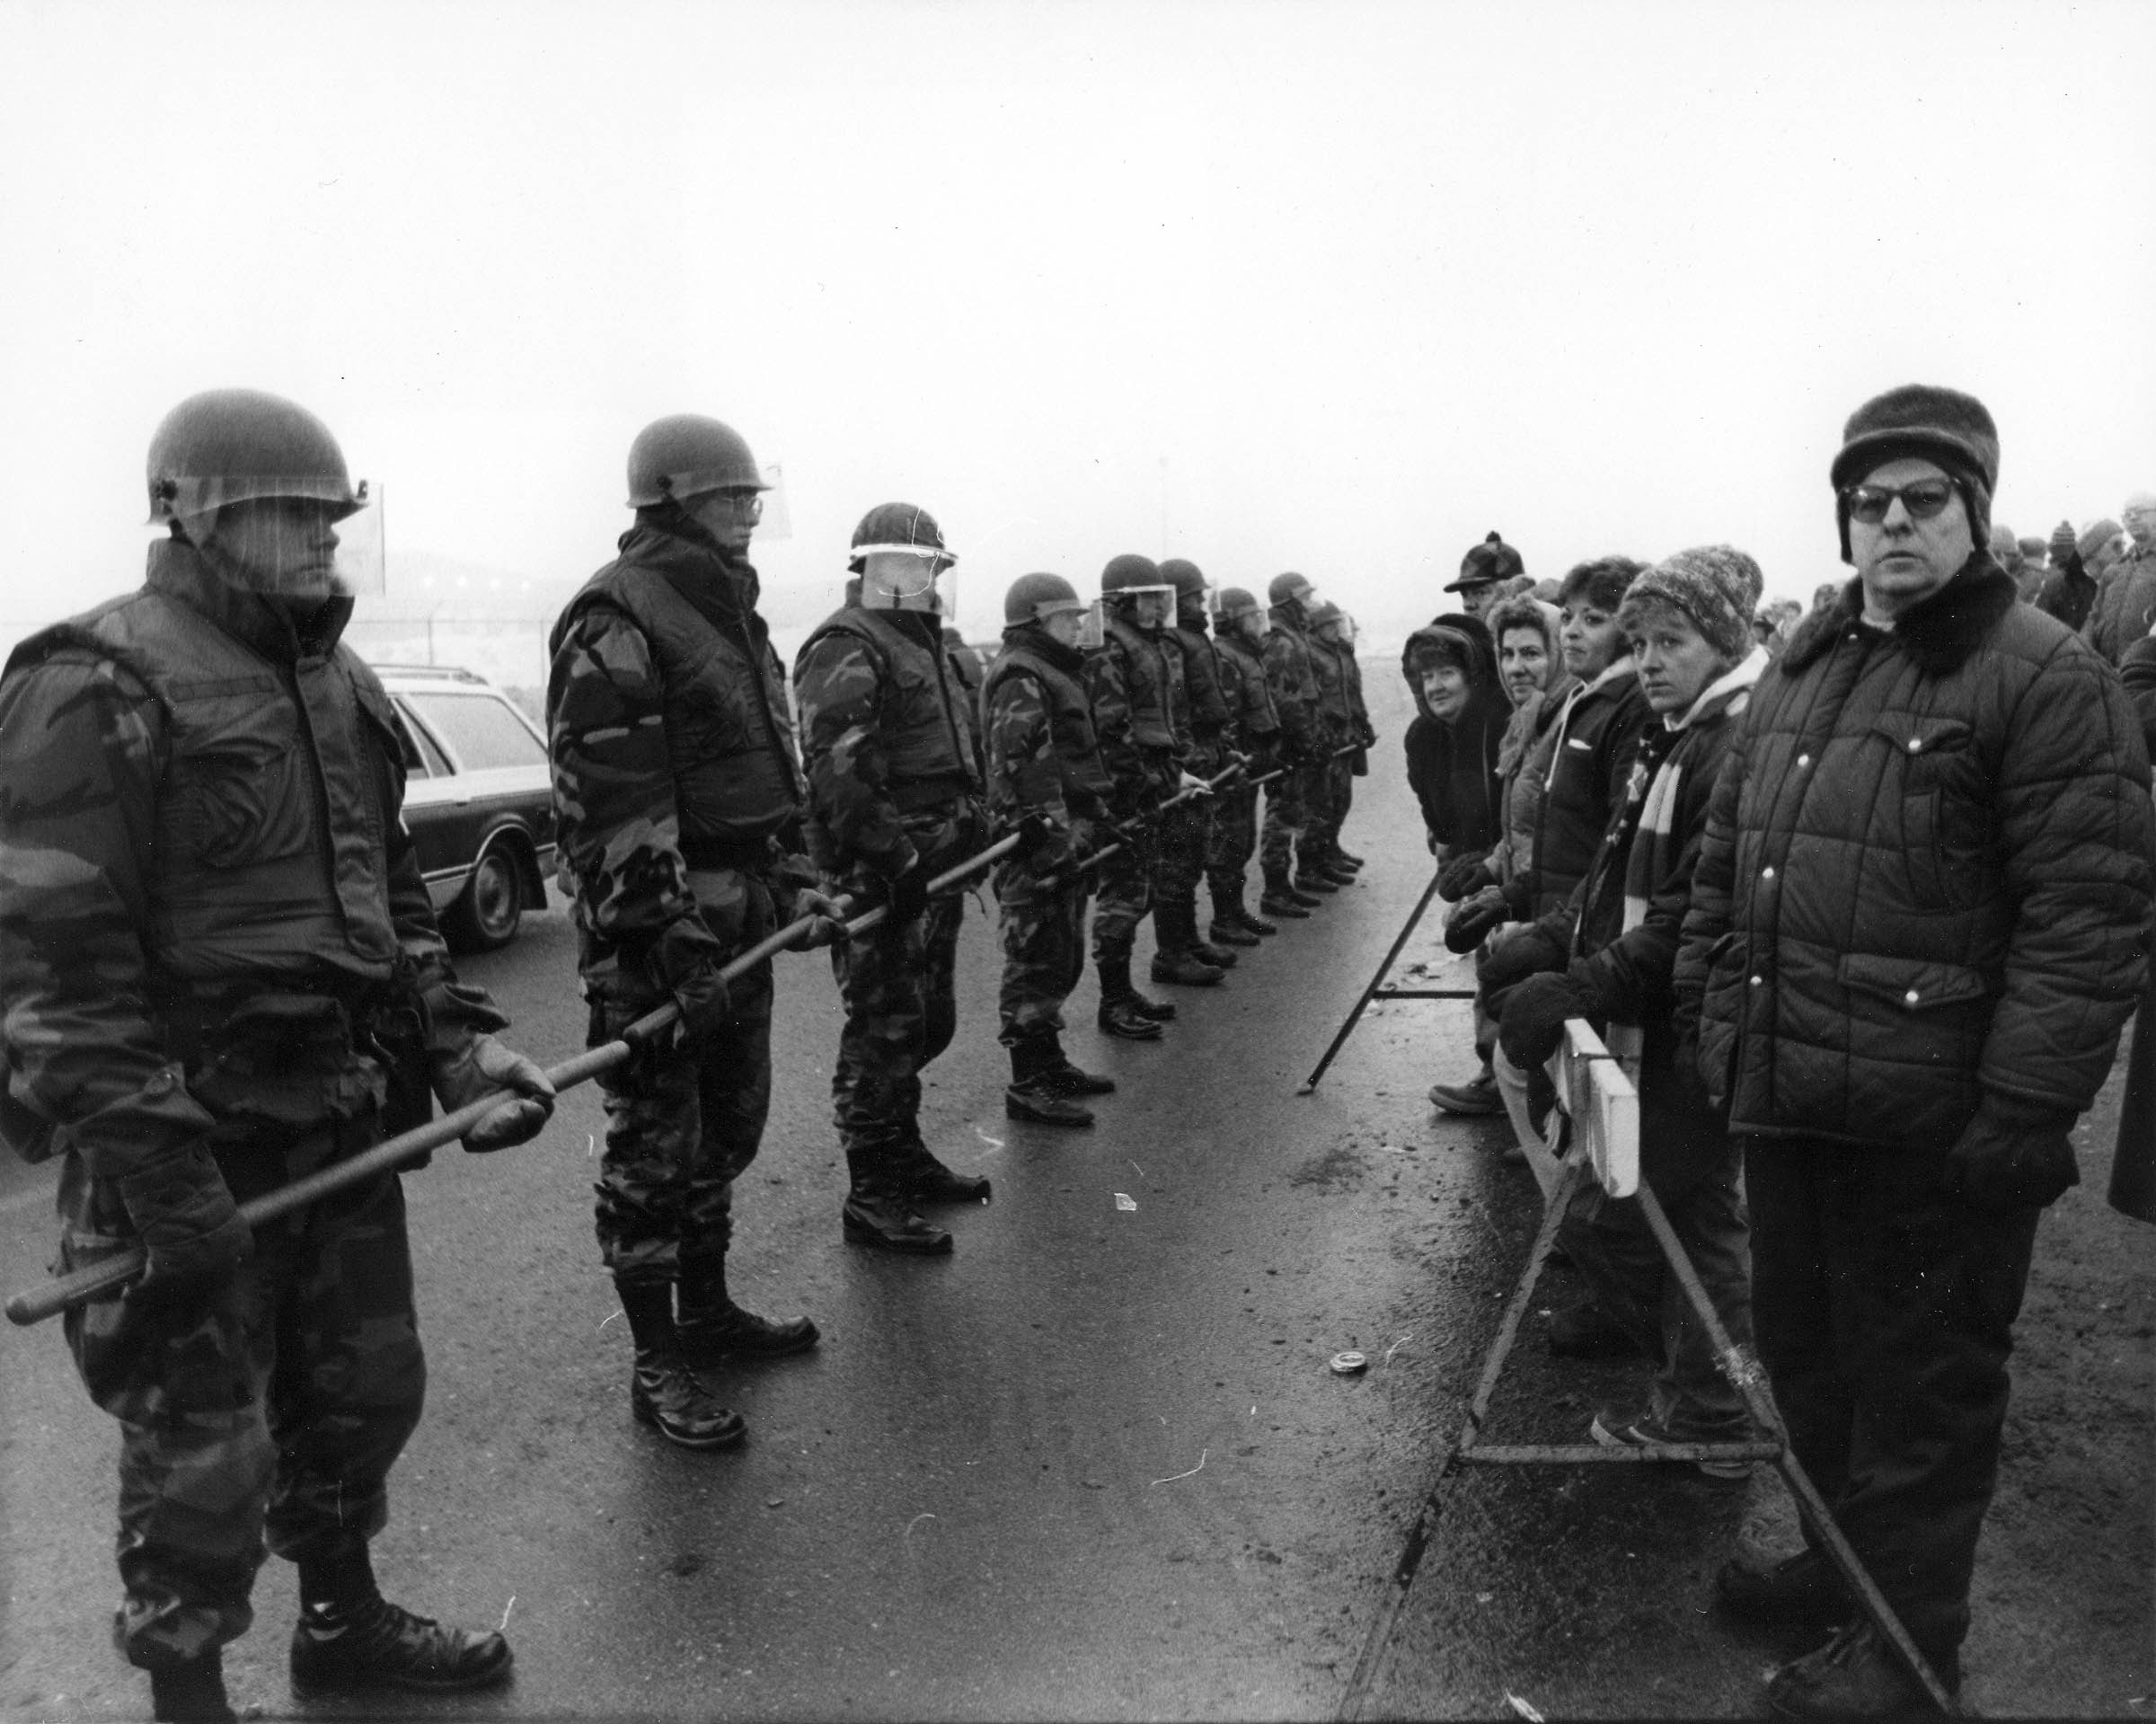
[(189, 1225), (2013, 1153)]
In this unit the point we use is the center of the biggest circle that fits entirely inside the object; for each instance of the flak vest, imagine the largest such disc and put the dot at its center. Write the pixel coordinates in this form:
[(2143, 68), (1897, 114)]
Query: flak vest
[(926, 733), (729, 732), (1145, 685), (1243, 672), (270, 827), (1210, 714), (1070, 717), (1332, 686)]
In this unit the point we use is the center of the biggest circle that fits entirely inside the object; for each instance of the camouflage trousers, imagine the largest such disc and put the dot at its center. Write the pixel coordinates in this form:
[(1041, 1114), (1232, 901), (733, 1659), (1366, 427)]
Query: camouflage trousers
[(683, 1121), (275, 1404), (1043, 928), (1123, 897), (1337, 779), (898, 985), (1234, 838), (1185, 840), (1293, 804)]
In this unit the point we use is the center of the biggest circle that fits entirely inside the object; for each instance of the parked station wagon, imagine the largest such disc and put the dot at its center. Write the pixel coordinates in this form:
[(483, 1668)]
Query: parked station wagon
[(478, 798)]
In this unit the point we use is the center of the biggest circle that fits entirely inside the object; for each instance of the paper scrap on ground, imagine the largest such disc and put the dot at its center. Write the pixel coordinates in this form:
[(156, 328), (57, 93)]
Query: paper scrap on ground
[(1523, 1708), (1123, 1200)]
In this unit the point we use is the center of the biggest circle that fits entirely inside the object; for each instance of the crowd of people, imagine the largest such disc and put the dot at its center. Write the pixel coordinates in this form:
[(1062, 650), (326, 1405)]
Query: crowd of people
[(1863, 907), (1864, 904)]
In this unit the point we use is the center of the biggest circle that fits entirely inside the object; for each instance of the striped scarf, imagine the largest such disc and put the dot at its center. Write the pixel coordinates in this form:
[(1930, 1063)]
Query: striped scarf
[(1650, 794)]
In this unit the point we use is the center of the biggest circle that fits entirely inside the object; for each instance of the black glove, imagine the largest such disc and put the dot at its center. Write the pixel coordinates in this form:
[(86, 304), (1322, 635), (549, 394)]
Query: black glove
[(1036, 834), (189, 1227), (1533, 1027), (485, 1067), (1472, 922), (1365, 733), (706, 1003), (1463, 875), (909, 892), (1528, 952), (2013, 1152)]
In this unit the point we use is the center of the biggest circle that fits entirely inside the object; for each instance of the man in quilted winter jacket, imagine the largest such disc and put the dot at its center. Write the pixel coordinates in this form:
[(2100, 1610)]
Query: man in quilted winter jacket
[(1918, 924)]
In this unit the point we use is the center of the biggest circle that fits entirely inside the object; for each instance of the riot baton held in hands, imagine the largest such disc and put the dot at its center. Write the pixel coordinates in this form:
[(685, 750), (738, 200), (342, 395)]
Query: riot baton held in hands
[(66, 1292), (1181, 797)]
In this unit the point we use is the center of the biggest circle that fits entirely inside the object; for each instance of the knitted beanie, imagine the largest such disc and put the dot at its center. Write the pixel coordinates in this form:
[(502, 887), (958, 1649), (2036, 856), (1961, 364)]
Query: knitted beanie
[(1717, 586), (2096, 535)]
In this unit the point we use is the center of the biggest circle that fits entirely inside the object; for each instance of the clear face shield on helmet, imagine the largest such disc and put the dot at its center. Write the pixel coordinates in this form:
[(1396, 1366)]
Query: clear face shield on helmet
[(1147, 607), (279, 539), (1067, 620), (901, 581), (1092, 627)]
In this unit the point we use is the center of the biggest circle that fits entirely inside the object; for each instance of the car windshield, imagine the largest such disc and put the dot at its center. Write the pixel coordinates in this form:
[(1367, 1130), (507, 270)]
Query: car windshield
[(479, 729)]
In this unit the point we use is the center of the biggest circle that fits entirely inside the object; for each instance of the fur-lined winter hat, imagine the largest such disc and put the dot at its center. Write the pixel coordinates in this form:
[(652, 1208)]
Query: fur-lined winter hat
[(1717, 586), (1920, 419)]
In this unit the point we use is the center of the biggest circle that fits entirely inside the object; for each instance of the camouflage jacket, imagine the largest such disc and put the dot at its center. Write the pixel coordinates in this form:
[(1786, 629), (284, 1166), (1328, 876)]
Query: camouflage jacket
[(1037, 729), (150, 750), (671, 738), (1142, 773), (887, 732), (1293, 682), (1242, 684)]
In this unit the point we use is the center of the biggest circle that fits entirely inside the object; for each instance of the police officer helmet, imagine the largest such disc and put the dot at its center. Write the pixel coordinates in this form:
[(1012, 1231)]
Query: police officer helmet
[(1184, 576), (1286, 588), (1233, 602)]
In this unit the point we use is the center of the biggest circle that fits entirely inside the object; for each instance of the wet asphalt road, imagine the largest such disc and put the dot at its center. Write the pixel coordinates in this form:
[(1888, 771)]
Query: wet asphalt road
[(1092, 1465)]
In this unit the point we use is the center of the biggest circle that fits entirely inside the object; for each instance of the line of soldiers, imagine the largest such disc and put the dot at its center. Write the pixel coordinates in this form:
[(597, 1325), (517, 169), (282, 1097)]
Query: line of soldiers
[(1122, 740), (220, 970)]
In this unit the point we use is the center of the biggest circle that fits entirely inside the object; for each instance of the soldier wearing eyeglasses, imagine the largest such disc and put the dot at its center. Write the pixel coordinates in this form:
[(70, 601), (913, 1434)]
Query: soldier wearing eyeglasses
[(1916, 928), (678, 801)]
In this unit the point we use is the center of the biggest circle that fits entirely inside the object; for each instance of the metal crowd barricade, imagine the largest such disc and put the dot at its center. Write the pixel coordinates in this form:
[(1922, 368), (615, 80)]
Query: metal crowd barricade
[(1604, 1107)]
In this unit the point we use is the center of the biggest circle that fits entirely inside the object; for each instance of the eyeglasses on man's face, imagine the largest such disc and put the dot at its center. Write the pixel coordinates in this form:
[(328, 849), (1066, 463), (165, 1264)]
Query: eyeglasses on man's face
[(1924, 500)]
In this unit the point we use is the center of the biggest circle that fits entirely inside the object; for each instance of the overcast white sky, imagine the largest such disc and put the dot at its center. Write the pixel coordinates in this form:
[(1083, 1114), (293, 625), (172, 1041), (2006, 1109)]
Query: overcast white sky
[(1334, 287)]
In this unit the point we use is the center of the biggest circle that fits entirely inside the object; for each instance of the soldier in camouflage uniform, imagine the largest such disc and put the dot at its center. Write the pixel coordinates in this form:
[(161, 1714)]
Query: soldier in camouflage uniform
[(1126, 684), (219, 966), (1238, 631), (677, 802), (894, 788), (1334, 660), (1362, 732), (1047, 780), (1206, 746), (1293, 682)]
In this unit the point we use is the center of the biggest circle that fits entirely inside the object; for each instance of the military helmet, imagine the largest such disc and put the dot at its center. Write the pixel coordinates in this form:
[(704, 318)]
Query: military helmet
[(1130, 569), (1034, 598), (1184, 575), (1234, 601), (238, 445), (897, 526), (685, 454), (1323, 612), (1286, 588)]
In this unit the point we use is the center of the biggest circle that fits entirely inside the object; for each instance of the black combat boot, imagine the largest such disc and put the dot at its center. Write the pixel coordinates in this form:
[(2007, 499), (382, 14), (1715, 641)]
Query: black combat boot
[(1176, 958), (1228, 928), (878, 1211), (1255, 925), (191, 1693), (1033, 1095), (1337, 872), (1347, 861), (350, 1639), (663, 1392), (1123, 1012), (710, 1326), (1065, 1079), (1281, 899), (926, 1180), (1309, 873)]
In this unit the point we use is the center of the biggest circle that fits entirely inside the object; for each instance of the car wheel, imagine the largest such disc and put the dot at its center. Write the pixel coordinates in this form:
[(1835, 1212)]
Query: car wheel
[(485, 914)]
